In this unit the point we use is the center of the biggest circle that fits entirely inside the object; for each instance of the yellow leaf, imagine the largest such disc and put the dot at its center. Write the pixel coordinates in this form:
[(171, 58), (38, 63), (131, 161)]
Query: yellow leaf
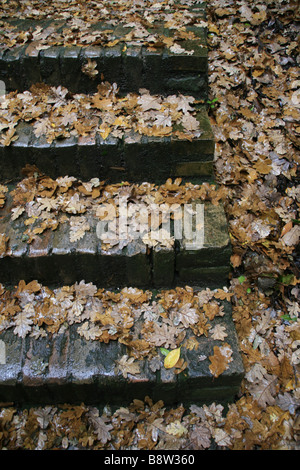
[(104, 131), (213, 29), (121, 121), (176, 429), (172, 358), (113, 43)]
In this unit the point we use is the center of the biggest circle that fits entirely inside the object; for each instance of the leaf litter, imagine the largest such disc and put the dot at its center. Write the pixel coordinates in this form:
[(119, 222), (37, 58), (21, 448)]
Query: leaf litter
[(255, 111), (43, 203), (155, 25), (126, 316), (55, 113)]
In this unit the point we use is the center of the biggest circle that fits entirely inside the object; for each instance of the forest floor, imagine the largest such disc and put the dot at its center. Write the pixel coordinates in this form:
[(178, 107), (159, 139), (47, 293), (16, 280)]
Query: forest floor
[(254, 106)]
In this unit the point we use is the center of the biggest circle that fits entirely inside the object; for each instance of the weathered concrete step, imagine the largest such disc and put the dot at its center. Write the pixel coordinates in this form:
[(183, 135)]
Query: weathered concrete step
[(133, 157), (109, 352), (133, 246), (163, 57)]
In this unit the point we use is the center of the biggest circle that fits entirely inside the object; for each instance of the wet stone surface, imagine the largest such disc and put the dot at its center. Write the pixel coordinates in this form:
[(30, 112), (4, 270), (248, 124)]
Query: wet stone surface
[(52, 257), (67, 368), (64, 366), (132, 66), (134, 158)]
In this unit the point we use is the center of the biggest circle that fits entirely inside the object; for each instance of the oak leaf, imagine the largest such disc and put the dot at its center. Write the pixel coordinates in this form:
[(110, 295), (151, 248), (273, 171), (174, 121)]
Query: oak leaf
[(219, 332), (78, 227), (89, 332), (200, 437), (89, 68), (147, 101), (191, 343), (47, 203), (189, 122), (23, 321), (292, 236), (126, 365), (220, 359), (221, 437), (164, 335), (176, 429), (100, 424)]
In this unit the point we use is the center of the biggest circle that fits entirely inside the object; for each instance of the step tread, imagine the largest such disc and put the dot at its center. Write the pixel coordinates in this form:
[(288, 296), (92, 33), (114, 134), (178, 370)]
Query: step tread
[(56, 232), (106, 134), (84, 344)]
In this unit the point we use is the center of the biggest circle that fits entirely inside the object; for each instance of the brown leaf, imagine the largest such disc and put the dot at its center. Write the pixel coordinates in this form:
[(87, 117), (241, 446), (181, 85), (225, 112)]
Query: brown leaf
[(3, 244), (126, 365), (236, 260), (200, 437), (288, 226), (100, 424), (89, 69), (220, 359)]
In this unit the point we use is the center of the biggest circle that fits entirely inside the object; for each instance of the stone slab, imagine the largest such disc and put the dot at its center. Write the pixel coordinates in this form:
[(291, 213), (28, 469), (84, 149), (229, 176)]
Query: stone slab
[(67, 368), (51, 257), (135, 158)]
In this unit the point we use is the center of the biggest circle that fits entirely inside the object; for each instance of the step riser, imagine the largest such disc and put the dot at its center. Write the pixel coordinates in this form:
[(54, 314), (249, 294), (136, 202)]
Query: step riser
[(110, 273), (109, 161), (159, 73)]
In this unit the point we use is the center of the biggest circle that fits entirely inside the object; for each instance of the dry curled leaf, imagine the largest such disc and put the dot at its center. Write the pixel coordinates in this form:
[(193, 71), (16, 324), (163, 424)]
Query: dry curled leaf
[(89, 68)]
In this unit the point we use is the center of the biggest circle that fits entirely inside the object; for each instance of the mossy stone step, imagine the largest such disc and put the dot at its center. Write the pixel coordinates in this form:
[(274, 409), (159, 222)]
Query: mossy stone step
[(132, 62), (136, 254), (66, 367), (159, 72), (134, 158)]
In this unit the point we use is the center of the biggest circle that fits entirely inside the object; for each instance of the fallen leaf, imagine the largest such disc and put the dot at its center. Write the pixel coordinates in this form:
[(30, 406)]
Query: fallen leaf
[(218, 332), (89, 69), (291, 237), (176, 429), (126, 365), (172, 358), (220, 359), (200, 437)]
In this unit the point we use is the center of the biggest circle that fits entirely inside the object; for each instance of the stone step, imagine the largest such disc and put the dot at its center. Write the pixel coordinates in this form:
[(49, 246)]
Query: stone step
[(165, 52), (133, 156), (109, 351), (114, 236)]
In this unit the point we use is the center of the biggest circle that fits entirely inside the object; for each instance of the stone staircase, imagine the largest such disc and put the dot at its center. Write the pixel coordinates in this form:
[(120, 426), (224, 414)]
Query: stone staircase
[(65, 366)]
